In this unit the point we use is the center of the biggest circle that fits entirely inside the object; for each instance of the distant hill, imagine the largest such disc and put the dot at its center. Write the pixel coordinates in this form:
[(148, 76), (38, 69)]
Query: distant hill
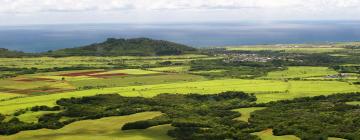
[(126, 47), (8, 53)]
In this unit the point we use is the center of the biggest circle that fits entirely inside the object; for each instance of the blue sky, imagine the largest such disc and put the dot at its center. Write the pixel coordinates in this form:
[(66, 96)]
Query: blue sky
[(18, 12)]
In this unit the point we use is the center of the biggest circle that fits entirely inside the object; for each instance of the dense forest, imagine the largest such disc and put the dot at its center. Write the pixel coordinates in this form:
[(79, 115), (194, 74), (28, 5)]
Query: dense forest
[(126, 47)]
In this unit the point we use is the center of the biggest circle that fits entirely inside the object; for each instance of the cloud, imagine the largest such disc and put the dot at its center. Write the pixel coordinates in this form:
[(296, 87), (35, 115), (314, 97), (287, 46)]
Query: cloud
[(23, 11), (20, 6)]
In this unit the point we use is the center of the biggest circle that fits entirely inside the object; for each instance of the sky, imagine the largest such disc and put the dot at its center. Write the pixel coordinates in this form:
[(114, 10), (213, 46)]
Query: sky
[(22, 12)]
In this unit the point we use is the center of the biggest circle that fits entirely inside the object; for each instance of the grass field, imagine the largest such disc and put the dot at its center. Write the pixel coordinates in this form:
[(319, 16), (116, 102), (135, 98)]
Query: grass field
[(265, 90), (130, 72), (4, 96), (301, 72), (177, 69), (246, 112), (268, 135), (92, 61), (32, 117), (354, 103), (288, 49), (124, 81), (332, 138), (102, 129)]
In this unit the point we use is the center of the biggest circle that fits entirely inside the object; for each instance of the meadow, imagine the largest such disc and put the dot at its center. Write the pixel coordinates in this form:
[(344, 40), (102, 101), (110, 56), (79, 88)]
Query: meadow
[(289, 48), (301, 72), (268, 135), (105, 128)]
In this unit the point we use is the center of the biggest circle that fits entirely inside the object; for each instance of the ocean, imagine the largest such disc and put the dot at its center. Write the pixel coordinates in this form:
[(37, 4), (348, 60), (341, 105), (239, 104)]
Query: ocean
[(40, 38)]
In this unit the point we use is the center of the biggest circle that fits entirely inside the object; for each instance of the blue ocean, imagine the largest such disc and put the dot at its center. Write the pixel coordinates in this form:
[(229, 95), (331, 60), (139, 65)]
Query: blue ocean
[(40, 38)]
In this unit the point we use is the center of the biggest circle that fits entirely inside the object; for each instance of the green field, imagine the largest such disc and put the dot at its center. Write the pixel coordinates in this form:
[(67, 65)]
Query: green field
[(105, 128), (124, 81), (32, 117), (293, 49), (265, 90), (301, 72), (354, 103), (268, 135), (92, 61), (129, 71), (4, 96), (246, 113), (290, 71), (171, 69)]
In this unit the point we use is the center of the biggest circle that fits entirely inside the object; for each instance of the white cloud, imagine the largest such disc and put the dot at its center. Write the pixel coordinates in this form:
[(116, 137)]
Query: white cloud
[(104, 5), (186, 10)]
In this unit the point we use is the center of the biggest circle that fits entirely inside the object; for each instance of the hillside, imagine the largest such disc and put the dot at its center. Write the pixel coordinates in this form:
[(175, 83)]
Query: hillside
[(9, 53), (126, 47)]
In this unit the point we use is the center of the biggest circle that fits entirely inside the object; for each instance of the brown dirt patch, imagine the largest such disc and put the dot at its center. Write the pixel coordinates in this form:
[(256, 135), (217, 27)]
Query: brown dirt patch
[(87, 73), (41, 91), (108, 75), (35, 79)]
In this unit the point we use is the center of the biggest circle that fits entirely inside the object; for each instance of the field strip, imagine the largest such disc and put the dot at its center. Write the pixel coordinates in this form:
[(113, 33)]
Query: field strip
[(298, 89)]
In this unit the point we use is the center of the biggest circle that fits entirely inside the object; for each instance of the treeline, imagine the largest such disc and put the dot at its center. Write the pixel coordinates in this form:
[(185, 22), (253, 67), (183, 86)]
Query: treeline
[(21, 71), (312, 118), (234, 69), (5, 53)]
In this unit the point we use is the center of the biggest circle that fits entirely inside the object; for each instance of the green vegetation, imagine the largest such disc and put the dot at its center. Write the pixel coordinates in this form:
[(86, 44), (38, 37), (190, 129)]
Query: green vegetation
[(129, 71), (105, 128), (178, 69), (301, 72), (265, 90), (354, 103), (293, 86), (268, 135), (10, 54), (312, 118), (246, 113), (289, 49), (126, 47), (4, 96)]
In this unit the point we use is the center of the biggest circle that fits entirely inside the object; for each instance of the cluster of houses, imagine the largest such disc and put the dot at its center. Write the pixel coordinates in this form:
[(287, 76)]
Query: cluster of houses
[(248, 58)]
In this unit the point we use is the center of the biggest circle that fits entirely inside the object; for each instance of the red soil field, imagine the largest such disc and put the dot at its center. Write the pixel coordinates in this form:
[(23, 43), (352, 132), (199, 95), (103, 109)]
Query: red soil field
[(35, 79), (108, 75), (87, 73)]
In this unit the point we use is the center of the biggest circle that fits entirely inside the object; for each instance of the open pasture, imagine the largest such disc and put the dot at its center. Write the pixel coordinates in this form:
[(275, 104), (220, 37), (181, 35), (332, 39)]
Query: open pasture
[(4, 96), (172, 69), (93, 61), (32, 117), (33, 85), (246, 113), (289, 49), (127, 72), (354, 103), (268, 135), (136, 80), (301, 72), (265, 90), (105, 128)]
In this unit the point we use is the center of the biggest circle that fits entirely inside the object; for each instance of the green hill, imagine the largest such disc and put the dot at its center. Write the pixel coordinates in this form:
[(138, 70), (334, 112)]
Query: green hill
[(9, 53), (126, 47)]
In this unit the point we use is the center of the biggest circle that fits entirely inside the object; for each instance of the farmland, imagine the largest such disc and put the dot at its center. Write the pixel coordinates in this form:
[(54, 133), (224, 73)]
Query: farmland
[(272, 75), (99, 129)]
